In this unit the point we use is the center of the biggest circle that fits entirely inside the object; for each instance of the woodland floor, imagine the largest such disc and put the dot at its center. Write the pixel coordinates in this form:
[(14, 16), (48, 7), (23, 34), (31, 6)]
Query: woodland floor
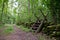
[(18, 34)]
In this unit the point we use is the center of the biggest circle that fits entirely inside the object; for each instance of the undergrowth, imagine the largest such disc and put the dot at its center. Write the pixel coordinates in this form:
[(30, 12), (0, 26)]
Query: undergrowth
[(24, 28), (6, 29)]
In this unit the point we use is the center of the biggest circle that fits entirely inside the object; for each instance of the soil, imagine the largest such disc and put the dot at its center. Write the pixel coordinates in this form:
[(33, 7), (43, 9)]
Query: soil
[(18, 34)]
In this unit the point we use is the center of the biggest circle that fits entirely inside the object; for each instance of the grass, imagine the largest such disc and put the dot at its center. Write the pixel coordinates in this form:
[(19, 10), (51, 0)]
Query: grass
[(7, 29), (41, 38), (1, 26), (24, 28)]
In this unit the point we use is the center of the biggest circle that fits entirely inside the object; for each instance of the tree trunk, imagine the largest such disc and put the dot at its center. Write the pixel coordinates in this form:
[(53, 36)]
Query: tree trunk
[(2, 10), (40, 26)]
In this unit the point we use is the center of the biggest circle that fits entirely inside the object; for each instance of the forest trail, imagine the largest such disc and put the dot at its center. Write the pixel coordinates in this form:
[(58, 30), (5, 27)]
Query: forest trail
[(18, 34)]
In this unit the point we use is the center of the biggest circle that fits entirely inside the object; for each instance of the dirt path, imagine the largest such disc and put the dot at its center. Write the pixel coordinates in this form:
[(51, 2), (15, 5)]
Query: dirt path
[(20, 35)]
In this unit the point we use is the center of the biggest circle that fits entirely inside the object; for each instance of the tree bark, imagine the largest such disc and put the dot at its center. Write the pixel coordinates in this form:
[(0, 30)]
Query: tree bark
[(40, 27), (2, 9)]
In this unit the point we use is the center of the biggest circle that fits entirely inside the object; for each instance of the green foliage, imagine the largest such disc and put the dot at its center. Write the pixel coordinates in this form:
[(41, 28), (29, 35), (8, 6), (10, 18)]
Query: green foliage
[(6, 29), (54, 7), (20, 12), (24, 28)]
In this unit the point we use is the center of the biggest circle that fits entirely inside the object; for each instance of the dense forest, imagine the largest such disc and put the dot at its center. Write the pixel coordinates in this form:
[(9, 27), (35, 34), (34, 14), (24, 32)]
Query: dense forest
[(37, 16)]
